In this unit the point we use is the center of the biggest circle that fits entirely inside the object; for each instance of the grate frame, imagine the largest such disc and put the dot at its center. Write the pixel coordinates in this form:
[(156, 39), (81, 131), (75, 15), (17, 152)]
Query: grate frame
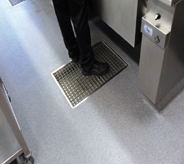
[(77, 87), (15, 2)]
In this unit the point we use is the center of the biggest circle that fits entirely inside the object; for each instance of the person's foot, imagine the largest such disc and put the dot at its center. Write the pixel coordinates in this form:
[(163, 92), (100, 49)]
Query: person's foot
[(97, 69), (75, 54), (75, 59)]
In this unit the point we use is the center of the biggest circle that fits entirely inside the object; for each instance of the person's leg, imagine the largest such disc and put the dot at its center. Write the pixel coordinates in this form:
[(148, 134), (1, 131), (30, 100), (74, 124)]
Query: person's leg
[(77, 9), (63, 15), (79, 15)]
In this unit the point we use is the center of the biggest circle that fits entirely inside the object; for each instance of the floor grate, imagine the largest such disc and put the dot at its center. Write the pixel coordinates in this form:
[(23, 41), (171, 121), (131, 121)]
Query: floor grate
[(15, 2), (77, 87)]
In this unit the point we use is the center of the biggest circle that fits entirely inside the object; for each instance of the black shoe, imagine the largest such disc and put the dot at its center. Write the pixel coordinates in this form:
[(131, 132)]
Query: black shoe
[(97, 69), (75, 59), (74, 54)]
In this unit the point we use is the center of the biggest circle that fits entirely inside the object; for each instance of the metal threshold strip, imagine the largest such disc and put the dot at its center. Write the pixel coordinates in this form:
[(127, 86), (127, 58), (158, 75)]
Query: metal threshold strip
[(77, 87)]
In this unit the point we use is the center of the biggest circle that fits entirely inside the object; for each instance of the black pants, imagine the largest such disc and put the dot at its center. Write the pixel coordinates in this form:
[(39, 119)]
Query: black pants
[(77, 12)]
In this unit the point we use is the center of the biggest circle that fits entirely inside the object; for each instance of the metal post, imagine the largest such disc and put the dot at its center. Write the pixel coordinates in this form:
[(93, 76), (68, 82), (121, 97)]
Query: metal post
[(7, 110)]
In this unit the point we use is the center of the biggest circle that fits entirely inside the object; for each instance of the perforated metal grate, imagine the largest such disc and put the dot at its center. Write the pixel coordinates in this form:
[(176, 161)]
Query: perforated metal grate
[(77, 87), (15, 2)]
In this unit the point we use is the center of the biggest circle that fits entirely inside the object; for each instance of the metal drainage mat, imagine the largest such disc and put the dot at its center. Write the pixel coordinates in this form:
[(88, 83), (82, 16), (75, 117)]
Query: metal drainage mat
[(77, 87), (15, 2)]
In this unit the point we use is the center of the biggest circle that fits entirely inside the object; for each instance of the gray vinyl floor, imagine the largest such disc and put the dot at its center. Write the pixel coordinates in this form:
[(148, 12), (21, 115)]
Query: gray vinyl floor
[(115, 125)]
